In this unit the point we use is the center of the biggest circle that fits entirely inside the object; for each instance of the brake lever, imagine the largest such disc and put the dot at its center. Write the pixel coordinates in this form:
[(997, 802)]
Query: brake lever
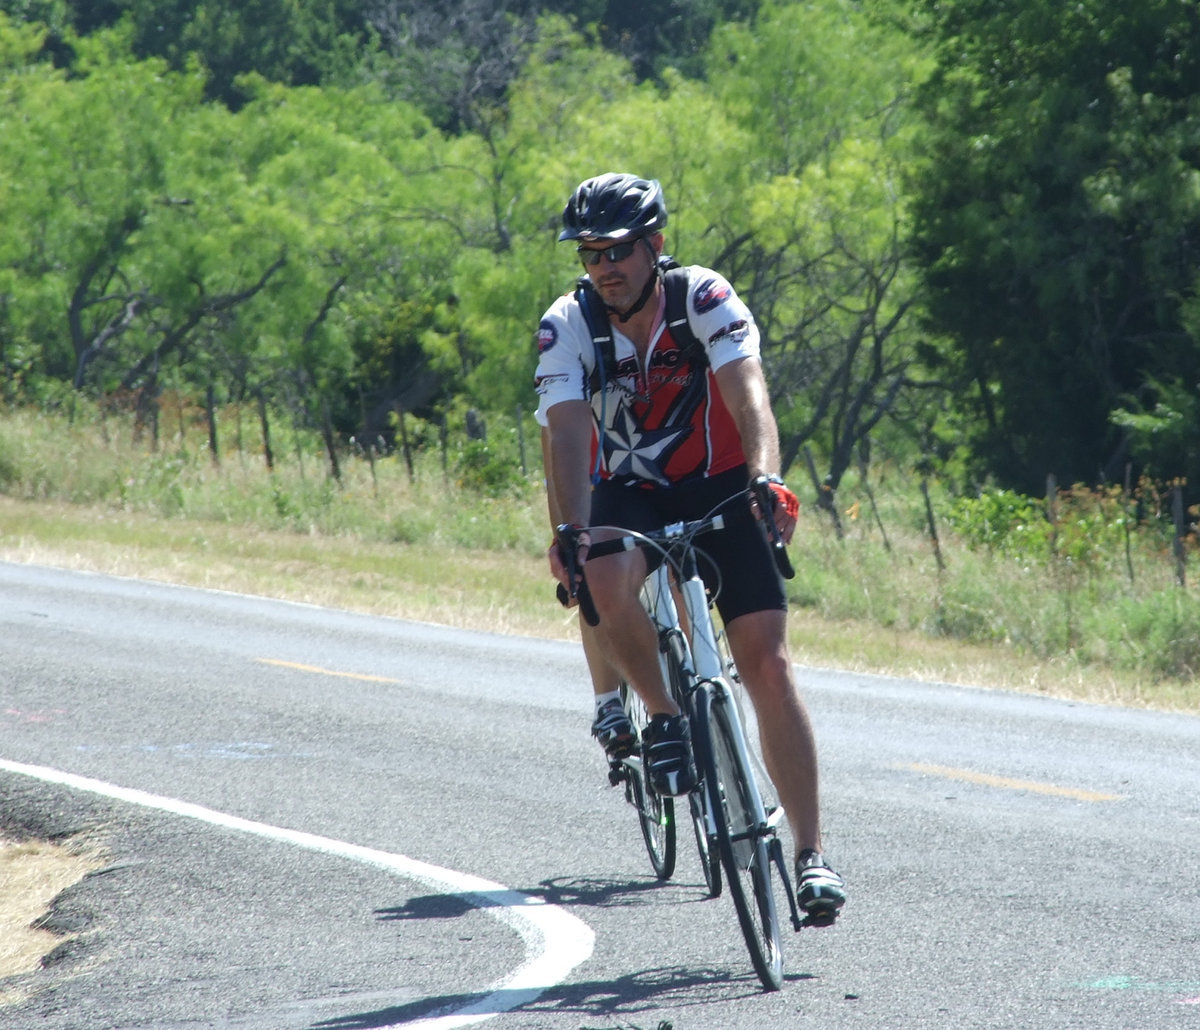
[(568, 546)]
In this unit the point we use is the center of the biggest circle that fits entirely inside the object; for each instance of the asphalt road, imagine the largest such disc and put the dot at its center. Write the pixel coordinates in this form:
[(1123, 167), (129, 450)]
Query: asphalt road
[(325, 821)]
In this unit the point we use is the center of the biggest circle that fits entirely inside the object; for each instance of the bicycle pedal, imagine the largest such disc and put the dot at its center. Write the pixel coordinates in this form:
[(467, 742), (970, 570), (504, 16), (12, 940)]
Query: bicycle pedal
[(826, 917)]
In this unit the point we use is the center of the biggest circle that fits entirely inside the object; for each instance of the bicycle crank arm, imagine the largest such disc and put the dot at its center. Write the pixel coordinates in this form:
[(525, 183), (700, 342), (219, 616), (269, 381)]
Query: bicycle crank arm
[(775, 849)]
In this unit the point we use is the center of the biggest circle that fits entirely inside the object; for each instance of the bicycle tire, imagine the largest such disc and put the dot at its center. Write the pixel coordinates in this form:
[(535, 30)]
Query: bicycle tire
[(679, 682), (744, 851), (656, 812), (706, 847)]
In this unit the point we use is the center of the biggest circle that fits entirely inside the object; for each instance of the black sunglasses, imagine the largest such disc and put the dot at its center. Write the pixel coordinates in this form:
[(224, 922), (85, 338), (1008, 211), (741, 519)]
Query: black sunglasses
[(616, 253)]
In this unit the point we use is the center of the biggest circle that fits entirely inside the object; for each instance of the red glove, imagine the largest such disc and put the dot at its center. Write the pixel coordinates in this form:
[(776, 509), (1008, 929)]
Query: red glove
[(785, 497)]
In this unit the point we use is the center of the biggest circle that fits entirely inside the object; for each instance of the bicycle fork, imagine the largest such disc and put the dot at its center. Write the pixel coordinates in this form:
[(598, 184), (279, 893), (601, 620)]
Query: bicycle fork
[(766, 823)]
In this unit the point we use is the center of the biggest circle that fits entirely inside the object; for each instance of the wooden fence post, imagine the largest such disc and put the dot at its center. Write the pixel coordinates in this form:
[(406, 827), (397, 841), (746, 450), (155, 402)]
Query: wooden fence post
[(268, 454), (335, 468), (1052, 510), (211, 407), (521, 442), (404, 444), (862, 471), (1180, 532), (825, 500), (1127, 498), (444, 435), (933, 533), (368, 440)]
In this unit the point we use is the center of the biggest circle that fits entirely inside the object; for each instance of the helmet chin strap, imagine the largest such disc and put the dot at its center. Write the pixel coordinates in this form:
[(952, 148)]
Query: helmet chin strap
[(640, 303)]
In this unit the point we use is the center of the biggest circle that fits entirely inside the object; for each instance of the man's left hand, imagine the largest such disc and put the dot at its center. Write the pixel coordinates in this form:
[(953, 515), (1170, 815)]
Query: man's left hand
[(786, 507)]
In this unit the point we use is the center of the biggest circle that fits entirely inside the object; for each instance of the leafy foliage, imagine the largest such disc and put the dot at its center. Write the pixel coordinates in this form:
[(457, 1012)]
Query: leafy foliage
[(1057, 220), (343, 210), (1089, 528)]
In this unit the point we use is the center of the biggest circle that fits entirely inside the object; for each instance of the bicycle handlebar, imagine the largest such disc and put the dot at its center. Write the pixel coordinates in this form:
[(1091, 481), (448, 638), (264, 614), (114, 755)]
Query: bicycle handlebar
[(662, 538), (568, 544)]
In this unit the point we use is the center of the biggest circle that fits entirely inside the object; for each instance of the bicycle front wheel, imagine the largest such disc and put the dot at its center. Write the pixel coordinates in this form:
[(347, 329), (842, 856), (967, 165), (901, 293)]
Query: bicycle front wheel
[(656, 812), (741, 837)]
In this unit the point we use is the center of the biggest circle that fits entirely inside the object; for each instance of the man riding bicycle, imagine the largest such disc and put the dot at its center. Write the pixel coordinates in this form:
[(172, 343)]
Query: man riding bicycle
[(644, 424)]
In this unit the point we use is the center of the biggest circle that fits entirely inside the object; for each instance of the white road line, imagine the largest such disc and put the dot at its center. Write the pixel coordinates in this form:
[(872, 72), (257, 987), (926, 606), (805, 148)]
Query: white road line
[(555, 941)]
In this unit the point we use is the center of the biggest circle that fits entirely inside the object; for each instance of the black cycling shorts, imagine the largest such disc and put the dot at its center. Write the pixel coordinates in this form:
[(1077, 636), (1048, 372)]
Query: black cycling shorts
[(735, 562)]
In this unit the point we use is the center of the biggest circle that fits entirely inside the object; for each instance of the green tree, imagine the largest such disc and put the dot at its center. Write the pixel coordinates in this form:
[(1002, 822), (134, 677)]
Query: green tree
[(85, 168), (363, 198), (816, 238), (1057, 211), (283, 41), (655, 38), (576, 111), (252, 251)]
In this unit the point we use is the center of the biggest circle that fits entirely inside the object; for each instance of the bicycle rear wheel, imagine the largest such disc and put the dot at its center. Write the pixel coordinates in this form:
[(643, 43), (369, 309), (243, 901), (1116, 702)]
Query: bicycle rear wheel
[(706, 846), (656, 812), (741, 838), (679, 682)]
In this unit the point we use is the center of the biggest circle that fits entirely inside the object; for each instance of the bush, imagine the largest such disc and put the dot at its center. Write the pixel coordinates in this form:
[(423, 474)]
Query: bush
[(1160, 633), (482, 470), (1085, 527), (1000, 520)]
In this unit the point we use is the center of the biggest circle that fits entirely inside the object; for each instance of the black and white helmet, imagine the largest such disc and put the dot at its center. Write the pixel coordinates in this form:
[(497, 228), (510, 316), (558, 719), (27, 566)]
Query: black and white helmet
[(614, 206)]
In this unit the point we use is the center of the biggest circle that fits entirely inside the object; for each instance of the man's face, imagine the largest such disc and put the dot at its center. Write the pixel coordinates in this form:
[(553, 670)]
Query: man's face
[(621, 282)]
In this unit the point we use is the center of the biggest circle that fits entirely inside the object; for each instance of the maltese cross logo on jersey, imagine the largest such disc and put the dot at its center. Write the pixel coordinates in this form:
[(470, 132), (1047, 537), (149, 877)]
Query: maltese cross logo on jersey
[(630, 450)]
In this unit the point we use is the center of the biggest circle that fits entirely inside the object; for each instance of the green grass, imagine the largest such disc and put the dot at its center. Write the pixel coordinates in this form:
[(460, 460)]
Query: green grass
[(1092, 611)]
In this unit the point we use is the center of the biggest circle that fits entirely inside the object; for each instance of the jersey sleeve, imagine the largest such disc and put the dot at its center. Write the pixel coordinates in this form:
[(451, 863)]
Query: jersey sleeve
[(720, 319), (565, 360)]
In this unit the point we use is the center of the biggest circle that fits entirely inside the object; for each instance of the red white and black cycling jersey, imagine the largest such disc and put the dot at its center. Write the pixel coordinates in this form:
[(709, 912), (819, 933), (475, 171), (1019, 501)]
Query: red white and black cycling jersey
[(664, 422)]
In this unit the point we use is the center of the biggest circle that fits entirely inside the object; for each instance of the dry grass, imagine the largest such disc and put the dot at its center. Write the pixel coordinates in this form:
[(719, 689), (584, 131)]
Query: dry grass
[(32, 874), (449, 545), (503, 591), (858, 647)]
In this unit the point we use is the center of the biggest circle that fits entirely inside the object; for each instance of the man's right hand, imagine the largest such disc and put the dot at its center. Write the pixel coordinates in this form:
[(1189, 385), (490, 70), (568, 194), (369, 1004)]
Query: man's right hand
[(567, 554)]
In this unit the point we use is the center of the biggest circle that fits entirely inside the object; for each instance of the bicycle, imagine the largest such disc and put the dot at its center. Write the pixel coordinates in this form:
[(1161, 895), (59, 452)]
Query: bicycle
[(733, 827)]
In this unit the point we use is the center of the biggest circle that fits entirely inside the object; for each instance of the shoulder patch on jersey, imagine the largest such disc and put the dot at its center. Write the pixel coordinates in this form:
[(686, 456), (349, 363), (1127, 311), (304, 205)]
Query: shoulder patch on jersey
[(547, 336), (709, 294), (737, 330)]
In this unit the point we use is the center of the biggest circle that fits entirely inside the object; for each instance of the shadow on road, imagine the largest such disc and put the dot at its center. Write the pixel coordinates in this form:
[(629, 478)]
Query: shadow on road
[(636, 994), (592, 893), (642, 993)]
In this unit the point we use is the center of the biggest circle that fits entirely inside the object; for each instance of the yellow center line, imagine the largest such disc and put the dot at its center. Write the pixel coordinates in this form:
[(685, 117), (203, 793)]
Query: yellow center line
[(327, 672), (1033, 786)]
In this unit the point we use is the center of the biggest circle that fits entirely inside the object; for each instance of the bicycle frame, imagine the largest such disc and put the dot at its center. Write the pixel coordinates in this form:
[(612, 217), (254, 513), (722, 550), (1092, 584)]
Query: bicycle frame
[(702, 652)]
